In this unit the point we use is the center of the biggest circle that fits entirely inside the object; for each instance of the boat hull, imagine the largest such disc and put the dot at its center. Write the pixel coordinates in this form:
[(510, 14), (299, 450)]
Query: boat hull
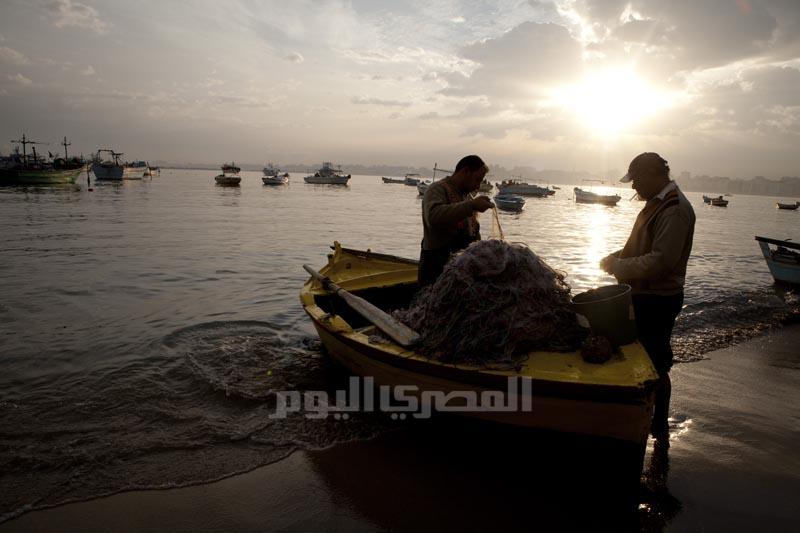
[(275, 180), (229, 181), (622, 420), (585, 197), (613, 400), (510, 204), (525, 190), (133, 173), (784, 267), (327, 180), (39, 177), (393, 180), (108, 173)]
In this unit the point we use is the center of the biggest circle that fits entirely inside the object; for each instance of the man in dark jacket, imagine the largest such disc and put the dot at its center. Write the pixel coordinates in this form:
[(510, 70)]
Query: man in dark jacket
[(449, 217)]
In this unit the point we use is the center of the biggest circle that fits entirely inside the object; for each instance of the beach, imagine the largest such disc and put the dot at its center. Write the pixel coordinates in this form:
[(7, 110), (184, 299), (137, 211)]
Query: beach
[(732, 465)]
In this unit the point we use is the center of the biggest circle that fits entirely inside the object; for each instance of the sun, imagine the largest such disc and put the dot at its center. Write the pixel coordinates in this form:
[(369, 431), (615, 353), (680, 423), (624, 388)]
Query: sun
[(611, 101)]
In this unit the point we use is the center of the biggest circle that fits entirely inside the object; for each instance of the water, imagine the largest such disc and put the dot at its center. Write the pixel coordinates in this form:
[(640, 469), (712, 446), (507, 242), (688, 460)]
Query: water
[(144, 324)]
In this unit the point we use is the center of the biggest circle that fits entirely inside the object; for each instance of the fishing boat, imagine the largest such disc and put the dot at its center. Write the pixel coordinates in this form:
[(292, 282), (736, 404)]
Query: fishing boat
[(230, 175), (108, 168), (509, 202), (517, 186), (328, 175), (719, 202), (422, 186), (783, 260), (273, 176), (412, 179), (589, 197), (393, 180), (24, 169), (789, 207), (612, 400), (135, 170), (485, 186), (152, 171)]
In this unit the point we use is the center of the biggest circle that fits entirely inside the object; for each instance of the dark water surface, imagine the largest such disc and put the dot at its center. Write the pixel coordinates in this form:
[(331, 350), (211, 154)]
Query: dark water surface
[(144, 324)]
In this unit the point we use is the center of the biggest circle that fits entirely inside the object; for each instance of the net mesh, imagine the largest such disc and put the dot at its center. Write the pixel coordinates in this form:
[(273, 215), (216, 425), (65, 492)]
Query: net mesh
[(494, 303)]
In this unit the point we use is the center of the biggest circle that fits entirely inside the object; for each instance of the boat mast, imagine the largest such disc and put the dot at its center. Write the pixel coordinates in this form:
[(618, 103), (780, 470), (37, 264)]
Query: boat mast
[(65, 144), (24, 142)]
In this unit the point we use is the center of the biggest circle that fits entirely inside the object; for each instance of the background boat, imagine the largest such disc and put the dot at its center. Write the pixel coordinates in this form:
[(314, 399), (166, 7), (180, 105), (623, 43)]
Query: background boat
[(719, 202), (392, 180), (588, 197), (789, 207), (509, 202), (516, 186), (22, 169), (412, 180), (783, 261), (230, 175), (109, 169), (273, 176), (328, 175), (135, 170)]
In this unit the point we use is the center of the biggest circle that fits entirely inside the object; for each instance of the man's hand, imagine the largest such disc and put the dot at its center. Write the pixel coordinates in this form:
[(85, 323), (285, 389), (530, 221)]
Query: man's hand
[(481, 203), (608, 263)]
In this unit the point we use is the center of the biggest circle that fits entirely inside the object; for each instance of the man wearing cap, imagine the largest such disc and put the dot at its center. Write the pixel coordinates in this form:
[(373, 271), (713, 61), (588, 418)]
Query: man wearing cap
[(653, 262), (449, 216)]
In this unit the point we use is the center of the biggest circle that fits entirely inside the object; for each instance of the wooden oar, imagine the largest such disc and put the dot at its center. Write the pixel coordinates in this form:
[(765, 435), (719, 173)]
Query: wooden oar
[(399, 332)]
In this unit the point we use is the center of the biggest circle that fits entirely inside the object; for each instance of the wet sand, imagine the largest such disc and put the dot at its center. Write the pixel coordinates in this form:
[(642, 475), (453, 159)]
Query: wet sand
[(732, 465)]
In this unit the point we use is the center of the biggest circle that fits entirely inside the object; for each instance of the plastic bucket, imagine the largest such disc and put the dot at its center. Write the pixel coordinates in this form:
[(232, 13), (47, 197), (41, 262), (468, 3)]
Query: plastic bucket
[(608, 311)]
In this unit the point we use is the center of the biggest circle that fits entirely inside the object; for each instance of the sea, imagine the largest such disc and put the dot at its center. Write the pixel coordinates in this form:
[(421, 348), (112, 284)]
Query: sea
[(145, 325)]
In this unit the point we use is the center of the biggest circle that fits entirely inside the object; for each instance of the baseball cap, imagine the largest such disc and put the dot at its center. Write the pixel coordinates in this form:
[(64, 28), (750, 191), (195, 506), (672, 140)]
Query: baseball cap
[(646, 163)]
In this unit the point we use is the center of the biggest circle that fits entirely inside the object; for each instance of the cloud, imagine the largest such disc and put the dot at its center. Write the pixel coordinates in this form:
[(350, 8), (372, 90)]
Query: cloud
[(366, 100), (19, 79), (294, 57), (88, 71), (66, 13), (9, 55), (527, 58)]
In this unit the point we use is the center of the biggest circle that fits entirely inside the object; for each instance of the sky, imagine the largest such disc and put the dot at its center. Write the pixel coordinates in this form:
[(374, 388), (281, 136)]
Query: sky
[(713, 85)]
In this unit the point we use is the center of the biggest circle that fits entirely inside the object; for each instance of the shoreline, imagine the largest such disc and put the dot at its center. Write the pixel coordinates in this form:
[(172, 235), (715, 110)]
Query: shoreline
[(732, 464)]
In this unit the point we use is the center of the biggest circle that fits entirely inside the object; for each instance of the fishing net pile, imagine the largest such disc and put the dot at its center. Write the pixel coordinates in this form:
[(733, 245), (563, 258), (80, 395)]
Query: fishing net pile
[(494, 303)]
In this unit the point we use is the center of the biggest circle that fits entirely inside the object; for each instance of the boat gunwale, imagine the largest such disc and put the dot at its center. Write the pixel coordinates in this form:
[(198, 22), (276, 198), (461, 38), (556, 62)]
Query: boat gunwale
[(634, 392)]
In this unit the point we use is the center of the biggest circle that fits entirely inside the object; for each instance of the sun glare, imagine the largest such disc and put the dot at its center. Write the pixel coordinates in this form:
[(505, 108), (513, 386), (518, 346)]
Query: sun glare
[(611, 101)]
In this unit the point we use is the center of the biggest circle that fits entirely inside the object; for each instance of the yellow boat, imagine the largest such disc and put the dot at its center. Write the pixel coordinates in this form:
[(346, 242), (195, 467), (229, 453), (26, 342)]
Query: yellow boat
[(567, 394)]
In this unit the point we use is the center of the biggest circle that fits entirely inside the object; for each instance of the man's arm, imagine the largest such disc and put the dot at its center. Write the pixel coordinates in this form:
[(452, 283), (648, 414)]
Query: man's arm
[(439, 213), (670, 233)]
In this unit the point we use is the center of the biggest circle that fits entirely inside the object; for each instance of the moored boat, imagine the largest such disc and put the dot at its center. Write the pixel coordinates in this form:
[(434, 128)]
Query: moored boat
[(719, 202), (412, 180), (393, 180), (509, 202), (588, 197), (788, 207), (516, 186), (108, 169), (135, 170), (328, 175), (24, 169), (230, 176), (613, 399), (783, 261), (273, 176)]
